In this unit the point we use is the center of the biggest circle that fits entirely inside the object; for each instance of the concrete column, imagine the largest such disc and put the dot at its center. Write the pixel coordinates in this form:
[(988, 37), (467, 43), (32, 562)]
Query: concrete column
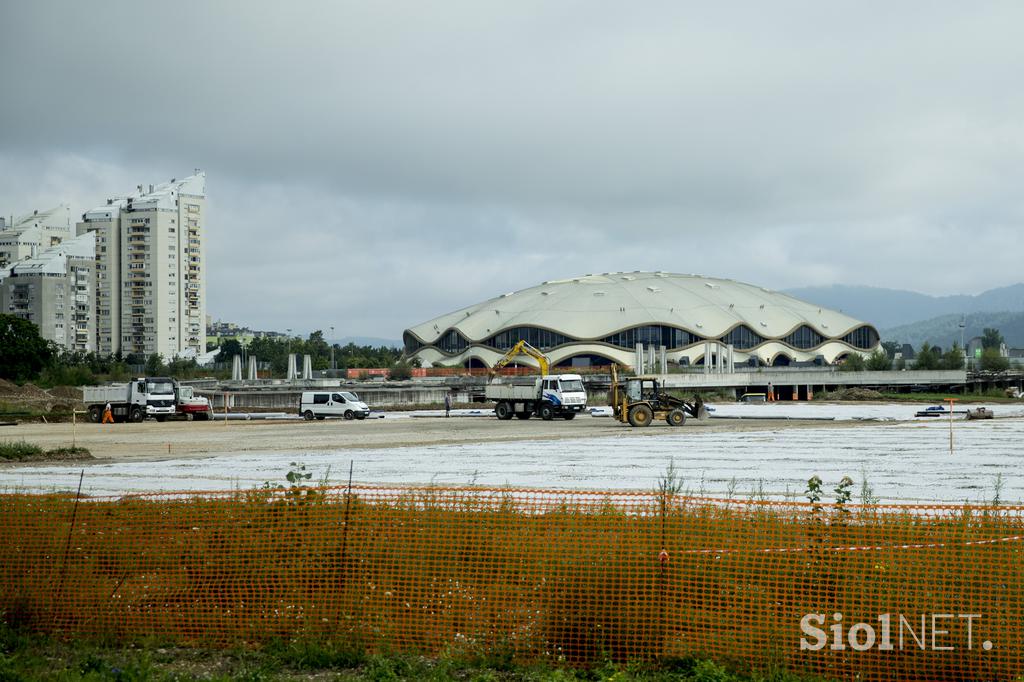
[(732, 358), (652, 364), (236, 368), (292, 374), (307, 366), (707, 357), (663, 359), (639, 368), (253, 374)]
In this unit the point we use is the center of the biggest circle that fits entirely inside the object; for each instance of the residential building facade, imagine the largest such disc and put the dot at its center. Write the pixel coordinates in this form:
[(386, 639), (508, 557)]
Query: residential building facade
[(29, 235), (55, 290), (150, 268)]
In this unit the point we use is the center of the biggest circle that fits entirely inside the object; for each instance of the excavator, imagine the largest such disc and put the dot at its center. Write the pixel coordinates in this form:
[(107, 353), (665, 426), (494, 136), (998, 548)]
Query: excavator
[(640, 400), (523, 348)]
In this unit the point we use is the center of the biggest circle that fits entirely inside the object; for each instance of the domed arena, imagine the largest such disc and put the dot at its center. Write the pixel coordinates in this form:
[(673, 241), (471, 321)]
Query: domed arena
[(597, 320)]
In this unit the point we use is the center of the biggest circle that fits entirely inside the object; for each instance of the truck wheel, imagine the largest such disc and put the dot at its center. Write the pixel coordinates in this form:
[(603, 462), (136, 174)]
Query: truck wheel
[(189, 416), (503, 411), (640, 415), (137, 415), (308, 415), (547, 412), (676, 417), (95, 414), (160, 418), (526, 414), (349, 415), (569, 416)]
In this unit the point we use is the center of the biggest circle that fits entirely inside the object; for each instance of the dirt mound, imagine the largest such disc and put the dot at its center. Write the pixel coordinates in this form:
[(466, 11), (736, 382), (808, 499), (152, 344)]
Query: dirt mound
[(855, 394), (32, 398), (67, 393)]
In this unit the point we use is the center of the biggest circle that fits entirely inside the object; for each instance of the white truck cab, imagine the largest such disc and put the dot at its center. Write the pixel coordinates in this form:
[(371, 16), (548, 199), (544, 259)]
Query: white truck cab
[(333, 403)]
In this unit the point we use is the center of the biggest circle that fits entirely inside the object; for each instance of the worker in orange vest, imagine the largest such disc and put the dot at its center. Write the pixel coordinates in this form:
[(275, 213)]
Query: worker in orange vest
[(771, 393), (108, 415)]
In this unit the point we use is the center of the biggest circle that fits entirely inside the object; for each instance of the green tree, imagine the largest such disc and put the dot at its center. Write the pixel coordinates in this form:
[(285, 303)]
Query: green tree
[(400, 371), (23, 352), (927, 358), (891, 348), (854, 362), (953, 358), (879, 361), (991, 338), (992, 361), (229, 348), (155, 365)]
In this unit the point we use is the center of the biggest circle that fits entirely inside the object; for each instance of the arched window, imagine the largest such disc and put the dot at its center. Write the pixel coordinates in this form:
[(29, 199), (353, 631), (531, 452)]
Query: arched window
[(864, 338), (412, 344), (804, 338), (452, 342), (542, 339), (742, 338), (652, 335)]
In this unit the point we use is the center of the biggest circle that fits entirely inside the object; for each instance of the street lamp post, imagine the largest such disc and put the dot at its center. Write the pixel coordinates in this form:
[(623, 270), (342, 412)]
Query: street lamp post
[(332, 350)]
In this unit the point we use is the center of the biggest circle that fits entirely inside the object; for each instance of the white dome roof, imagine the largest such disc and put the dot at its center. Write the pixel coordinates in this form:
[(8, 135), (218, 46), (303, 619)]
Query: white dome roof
[(593, 307)]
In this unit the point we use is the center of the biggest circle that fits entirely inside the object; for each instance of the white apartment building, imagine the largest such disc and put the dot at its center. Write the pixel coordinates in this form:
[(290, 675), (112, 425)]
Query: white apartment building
[(55, 290), (29, 235), (150, 269)]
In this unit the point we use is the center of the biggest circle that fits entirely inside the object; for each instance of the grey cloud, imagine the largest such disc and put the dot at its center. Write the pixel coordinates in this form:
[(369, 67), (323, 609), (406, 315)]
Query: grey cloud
[(443, 154)]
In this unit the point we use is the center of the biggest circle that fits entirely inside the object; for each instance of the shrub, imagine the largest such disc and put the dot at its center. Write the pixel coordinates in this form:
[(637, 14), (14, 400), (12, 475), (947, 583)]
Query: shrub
[(992, 361), (15, 450), (400, 371)]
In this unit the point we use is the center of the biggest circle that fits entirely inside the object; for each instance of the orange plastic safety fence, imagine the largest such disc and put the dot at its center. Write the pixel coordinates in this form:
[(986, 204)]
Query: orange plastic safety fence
[(880, 592)]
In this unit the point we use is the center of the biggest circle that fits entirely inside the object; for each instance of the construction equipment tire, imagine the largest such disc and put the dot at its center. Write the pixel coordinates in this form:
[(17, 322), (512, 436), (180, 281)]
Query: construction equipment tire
[(676, 417), (641, 415), (547, 412), (503, 411)]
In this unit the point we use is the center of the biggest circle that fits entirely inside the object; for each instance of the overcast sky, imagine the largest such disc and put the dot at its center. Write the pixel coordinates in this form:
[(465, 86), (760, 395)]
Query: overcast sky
[(372, 165)]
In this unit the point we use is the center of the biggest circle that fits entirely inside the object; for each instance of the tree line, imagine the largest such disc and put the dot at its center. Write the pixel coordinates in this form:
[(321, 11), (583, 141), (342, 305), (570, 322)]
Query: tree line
[(26, 356)]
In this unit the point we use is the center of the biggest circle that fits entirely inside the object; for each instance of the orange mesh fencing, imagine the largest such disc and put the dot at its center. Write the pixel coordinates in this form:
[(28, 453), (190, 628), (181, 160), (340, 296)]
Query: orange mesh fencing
[(561, 575)]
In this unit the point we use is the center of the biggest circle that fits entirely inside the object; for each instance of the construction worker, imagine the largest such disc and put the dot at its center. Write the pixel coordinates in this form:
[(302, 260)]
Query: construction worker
[(447, 404), (771, 393), (108, 414)]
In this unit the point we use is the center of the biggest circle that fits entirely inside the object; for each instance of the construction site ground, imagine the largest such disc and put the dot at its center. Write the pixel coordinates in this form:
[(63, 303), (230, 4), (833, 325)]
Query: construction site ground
[(154, 441)]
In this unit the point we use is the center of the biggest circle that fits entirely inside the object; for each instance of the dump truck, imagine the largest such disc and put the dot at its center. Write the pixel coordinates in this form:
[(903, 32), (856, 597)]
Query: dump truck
[(550, 396), (132, 401)]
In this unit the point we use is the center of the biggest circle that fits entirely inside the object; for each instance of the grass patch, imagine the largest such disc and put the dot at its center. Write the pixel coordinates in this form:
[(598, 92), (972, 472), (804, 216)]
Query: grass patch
[(20, 451), (28, 657), (16, 450)]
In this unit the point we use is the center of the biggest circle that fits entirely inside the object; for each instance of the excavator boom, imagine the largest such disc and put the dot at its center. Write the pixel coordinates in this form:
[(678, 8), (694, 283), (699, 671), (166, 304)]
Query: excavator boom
[(523, 348)]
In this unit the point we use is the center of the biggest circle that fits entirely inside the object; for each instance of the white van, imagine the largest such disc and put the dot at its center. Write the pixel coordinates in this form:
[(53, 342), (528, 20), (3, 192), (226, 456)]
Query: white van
[(320, 404)]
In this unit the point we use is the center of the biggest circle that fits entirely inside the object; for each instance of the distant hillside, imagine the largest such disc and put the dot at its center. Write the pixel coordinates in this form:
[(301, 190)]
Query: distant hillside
[(943, 331), (892, 307)]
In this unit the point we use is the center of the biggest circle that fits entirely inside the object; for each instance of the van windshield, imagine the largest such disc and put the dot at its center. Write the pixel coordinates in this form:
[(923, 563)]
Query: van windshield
[(571, 385), (351, 397)]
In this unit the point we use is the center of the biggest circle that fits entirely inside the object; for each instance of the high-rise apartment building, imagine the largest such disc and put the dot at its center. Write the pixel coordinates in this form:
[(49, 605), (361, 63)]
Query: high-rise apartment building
[(29, 235), (55, 290), (150, 269)]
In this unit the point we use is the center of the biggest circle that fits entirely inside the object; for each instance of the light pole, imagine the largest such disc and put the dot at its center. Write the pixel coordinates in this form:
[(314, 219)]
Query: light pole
[(332, 349), (963, 348)]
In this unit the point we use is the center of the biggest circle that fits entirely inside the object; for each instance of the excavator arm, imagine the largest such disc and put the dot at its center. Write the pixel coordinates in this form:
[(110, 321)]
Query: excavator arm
[(523, 348)]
